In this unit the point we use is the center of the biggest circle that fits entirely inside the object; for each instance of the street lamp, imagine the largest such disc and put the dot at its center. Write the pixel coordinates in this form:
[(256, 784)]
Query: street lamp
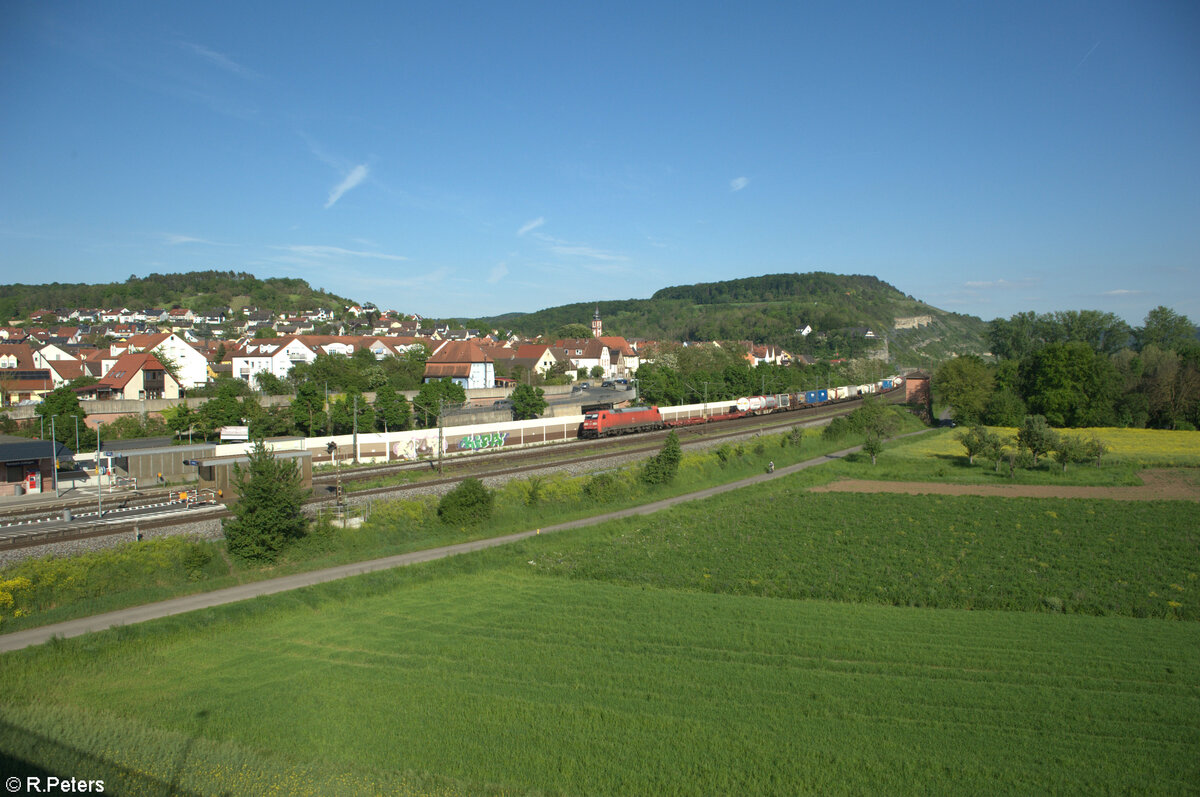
[(76, 417)]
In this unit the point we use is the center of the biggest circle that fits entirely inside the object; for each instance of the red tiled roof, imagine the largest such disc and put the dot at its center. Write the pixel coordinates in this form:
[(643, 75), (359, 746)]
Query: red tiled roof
[(23, 352), (443, 370), (126, 367), (67, 369), (460, 351), (533, 350)]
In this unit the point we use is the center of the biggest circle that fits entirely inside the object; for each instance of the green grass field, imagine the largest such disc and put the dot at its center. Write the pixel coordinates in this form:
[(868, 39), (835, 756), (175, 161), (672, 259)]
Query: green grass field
[(509, 682), (770, 641), (58, 589), (1022, 554)]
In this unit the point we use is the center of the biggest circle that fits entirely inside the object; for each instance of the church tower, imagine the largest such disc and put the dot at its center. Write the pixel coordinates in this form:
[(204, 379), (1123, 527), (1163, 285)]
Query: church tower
[(596, 326)]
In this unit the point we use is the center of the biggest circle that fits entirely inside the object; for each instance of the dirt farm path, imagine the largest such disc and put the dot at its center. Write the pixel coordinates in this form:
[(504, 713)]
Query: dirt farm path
[(1158, 485)]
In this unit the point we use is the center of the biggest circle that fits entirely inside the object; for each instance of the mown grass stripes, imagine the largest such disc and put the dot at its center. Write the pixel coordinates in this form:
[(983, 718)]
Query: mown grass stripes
[(528, 683)]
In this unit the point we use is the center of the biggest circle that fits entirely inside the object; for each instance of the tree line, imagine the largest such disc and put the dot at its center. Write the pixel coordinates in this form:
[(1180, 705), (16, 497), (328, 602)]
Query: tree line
[(694, 374), (201, 290), (1079, 369)]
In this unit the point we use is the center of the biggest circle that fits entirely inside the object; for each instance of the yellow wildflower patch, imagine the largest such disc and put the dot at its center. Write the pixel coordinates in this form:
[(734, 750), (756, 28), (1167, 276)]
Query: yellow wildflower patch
[(1147, 446)]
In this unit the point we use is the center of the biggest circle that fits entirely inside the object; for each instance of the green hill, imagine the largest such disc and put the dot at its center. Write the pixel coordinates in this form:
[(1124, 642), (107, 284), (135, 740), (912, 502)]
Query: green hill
[(771, 309), (196, 290)]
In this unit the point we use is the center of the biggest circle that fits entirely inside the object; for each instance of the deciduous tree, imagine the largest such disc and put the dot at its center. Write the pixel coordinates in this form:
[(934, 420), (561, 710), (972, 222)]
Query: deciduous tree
[(1165, 329), (965, 383), (392, 410), (528, 402), (1036, 436), (432, 397)]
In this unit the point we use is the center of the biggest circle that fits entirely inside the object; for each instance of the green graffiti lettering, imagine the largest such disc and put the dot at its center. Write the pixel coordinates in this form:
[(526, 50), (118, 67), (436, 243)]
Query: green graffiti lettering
[(479, 441)]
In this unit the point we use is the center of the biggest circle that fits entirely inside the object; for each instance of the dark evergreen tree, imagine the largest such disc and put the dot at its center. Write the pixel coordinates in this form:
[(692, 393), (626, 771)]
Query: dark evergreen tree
[(662, 467), (267, 514)]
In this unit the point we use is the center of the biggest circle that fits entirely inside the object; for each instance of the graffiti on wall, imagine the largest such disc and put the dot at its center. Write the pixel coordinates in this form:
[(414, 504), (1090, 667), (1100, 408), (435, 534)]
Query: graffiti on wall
[(414, 448), (477, 442)]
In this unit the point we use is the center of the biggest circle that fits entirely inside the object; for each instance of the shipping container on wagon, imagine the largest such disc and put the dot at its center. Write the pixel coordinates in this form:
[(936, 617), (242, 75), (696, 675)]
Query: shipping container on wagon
[(822, 396), (887, 384)]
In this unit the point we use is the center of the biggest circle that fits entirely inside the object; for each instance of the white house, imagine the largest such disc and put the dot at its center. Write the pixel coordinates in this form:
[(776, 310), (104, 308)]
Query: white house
[(275, 357), (463, 362), (191, 365)]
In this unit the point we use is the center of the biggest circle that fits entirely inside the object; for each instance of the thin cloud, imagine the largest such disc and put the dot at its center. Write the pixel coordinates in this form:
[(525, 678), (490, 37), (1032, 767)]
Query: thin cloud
[(1002, 284), (560, 247), (356, 176), (530, 226), (337, 251), (1122, 292), (738, 183), (175, 240), (499, 272), (586, 251), (221, 60)]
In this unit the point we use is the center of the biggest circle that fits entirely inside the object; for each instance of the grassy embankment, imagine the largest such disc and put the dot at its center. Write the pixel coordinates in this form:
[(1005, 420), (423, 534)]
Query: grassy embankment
[(766, 641), (61, 588)]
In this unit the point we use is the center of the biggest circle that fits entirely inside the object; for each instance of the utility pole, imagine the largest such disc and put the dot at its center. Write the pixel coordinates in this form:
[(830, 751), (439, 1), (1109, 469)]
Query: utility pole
[(356, 429), (76, 417), (54, 454), (99, 484), (441, 432)]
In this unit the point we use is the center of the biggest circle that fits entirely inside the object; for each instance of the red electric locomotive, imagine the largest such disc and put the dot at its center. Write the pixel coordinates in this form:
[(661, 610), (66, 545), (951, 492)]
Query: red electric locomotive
[(606, 423)]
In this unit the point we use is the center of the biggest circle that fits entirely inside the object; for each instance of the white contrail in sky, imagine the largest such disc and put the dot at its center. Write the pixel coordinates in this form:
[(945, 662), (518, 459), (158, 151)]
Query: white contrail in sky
[(356, 176), (1089, 54)]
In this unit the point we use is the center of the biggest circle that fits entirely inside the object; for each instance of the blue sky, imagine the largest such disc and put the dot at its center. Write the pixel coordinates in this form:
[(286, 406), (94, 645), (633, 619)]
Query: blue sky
[(473, 159)]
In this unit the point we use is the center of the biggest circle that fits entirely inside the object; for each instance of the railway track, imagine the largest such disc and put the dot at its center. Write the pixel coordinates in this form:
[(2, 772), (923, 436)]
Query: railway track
[(515, 463), (705, 431), (83, 505)]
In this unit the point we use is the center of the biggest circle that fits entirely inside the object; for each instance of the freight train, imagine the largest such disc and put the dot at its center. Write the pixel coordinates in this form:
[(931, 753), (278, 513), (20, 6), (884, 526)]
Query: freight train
[(609, 423)]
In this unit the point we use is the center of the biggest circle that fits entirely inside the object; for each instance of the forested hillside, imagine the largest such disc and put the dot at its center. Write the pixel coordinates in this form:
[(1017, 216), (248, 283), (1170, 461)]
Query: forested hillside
[(196, 290), (771, 309)]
